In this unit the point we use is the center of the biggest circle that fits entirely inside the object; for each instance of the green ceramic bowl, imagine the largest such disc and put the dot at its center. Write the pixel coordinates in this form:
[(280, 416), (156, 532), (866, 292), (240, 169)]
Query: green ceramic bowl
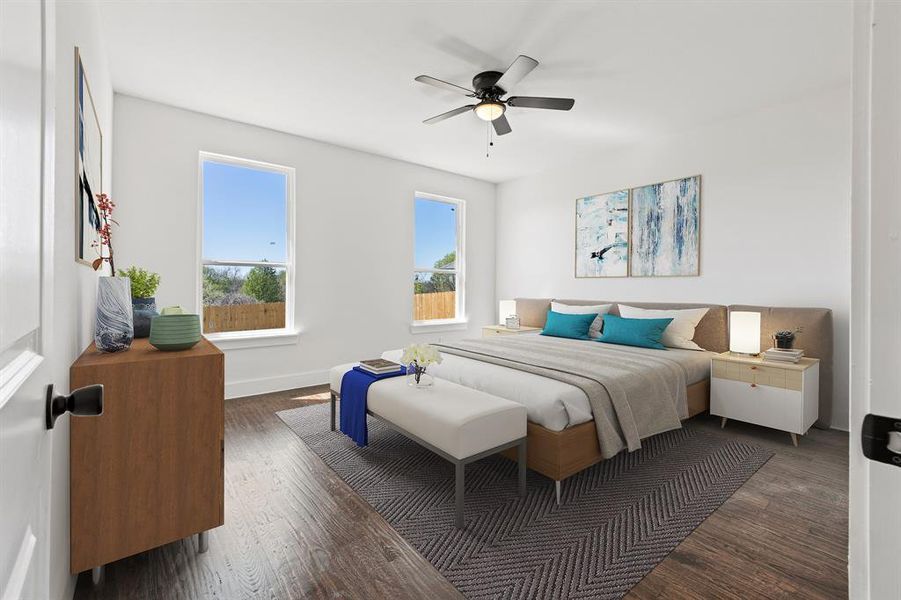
[(174, 331)]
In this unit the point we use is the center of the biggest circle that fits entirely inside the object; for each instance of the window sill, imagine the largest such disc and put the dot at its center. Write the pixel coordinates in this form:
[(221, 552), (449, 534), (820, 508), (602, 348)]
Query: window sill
[(233, 340), (439, 325)]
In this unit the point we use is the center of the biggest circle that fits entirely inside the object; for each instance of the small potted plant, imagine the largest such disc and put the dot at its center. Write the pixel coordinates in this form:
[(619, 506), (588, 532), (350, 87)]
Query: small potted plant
[(786, 337), (418, 357), (143, 287)]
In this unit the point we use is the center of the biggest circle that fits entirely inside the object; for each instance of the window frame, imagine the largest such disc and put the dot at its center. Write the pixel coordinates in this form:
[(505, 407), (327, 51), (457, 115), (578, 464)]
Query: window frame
[(250, 337), (459, 321)]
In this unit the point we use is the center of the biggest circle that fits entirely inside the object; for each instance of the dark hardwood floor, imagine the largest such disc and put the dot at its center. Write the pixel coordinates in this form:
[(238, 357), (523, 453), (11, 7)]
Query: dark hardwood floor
[(293, 529)]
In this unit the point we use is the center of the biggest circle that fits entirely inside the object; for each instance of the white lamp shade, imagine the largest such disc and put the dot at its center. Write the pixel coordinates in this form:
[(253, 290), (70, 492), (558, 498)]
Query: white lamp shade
[(506, 308), (744, 332)]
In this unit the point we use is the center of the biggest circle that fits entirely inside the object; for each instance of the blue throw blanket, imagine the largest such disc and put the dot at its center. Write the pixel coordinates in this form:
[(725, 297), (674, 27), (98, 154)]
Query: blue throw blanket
[(354, 389)]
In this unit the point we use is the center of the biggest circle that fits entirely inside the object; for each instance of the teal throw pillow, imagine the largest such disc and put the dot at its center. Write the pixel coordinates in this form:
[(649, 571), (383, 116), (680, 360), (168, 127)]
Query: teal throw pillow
[(568, 326), (643, 333)]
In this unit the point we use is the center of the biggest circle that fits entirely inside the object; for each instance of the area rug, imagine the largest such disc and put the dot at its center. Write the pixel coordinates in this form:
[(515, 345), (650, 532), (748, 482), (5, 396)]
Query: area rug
[(617, 520)]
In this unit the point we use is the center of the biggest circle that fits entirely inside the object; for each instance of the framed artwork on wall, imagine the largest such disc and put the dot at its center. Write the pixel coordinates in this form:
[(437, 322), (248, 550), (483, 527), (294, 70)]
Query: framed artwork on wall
[(88, 170), (665, 231), (602, 235)]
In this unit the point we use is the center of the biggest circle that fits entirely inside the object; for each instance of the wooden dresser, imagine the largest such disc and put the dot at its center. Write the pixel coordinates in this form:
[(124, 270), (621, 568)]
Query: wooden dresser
[(149, 470)]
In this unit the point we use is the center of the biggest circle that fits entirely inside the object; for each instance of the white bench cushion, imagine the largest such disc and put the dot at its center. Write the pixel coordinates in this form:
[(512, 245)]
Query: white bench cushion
[(458, 420), (337, 374)]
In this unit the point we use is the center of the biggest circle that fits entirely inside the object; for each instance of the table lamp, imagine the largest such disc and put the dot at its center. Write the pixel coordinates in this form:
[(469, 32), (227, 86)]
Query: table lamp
[(506, 308), (744, 332)]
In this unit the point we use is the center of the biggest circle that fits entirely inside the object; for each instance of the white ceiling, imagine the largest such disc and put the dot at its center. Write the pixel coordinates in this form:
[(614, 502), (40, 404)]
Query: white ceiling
[(342, 72)]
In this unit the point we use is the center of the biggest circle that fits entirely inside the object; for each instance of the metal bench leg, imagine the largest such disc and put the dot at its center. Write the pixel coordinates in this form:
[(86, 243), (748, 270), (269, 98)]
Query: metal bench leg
[(460, 490), (557, 489), (521, 458), (333, 409)]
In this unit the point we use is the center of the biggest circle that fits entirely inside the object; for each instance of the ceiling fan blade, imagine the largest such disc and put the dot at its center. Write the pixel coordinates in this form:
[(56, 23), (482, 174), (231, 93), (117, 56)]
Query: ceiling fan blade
[(520, 67), (449, 114), (444, 85), (501, 125), (538, 102)]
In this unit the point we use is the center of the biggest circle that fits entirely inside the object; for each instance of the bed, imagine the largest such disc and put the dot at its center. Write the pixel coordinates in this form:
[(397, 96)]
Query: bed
[(563, 434)]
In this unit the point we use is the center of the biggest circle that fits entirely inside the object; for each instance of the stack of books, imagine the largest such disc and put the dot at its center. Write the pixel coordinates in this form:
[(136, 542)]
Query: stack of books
[(379, 366), (782, 355)]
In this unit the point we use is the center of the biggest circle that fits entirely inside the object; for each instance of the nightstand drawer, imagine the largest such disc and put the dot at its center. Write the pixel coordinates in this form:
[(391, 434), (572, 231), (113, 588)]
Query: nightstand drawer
[(491, 332), (762, 375), (761, 404)]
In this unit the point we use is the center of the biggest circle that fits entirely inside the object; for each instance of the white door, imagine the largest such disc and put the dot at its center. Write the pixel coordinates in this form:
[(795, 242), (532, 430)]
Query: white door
[(875, 487), (25, 259)]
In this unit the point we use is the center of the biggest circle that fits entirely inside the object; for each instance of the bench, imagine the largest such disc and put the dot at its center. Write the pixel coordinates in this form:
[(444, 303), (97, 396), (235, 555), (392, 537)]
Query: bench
[(460, 424)]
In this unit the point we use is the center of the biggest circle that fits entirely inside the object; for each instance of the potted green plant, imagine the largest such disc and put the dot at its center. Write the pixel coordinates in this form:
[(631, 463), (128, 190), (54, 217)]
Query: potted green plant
[(143, 303), (785, 338)]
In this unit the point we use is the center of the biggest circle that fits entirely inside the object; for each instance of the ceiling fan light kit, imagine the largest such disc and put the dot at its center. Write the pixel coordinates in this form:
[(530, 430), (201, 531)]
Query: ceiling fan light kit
[(489, 111), (489, 87)]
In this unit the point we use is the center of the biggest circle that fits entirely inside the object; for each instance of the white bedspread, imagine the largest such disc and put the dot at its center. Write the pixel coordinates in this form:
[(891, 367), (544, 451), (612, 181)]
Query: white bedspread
[(549, 403)]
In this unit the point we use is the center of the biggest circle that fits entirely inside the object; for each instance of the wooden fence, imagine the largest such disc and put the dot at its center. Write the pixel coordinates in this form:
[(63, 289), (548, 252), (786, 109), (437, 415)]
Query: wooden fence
[(437, 305), (271, 315), (244, 317)]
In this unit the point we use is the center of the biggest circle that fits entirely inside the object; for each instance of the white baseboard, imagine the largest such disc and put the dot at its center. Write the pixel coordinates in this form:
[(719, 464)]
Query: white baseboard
[(265, 385)]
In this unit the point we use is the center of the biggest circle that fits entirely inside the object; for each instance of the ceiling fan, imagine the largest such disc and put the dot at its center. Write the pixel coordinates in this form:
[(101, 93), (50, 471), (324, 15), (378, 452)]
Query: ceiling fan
[(489, 88)]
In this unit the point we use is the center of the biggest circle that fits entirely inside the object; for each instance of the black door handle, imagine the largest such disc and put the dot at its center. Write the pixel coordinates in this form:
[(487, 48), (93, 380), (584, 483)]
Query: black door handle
[(879, 439), (83, 402)]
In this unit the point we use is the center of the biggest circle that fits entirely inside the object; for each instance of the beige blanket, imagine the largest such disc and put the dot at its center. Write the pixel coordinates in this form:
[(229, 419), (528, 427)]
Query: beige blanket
[(644, 390)]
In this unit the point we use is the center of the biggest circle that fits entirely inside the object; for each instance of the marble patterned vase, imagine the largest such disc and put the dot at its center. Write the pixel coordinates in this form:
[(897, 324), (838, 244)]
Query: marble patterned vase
[(114, 331)]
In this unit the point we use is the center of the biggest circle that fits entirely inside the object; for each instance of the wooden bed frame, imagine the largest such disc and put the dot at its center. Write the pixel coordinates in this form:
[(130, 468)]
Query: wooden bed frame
[(560, 454)]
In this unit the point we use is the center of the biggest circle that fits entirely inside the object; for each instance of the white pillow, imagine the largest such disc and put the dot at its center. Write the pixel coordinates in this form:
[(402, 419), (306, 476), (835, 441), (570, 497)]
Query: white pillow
[(573, 309), (680, 332)]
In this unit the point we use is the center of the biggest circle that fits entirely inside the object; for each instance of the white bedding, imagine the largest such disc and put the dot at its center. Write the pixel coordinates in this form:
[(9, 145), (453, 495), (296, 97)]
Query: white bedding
[(549, 403)]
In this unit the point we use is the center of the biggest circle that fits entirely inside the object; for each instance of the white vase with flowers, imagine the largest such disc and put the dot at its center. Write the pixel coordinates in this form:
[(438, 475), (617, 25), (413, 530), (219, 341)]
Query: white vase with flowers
[(418, 357)]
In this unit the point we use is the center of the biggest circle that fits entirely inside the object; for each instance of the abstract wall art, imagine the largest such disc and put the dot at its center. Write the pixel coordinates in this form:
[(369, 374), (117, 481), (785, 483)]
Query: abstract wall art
[(602, 235), (665, 231), (88, 170)]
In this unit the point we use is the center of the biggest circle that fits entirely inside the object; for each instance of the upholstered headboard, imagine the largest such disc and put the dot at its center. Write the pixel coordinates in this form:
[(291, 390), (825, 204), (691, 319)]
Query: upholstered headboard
[(712, 332)]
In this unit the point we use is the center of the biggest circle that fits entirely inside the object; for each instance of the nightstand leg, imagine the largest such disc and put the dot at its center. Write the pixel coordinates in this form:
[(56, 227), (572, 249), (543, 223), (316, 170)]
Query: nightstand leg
[(794, 439), (97, 574), (723, 422), (203, 541)]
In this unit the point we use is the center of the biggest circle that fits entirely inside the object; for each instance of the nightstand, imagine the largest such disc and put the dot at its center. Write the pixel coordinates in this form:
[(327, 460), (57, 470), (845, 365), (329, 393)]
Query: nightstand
[(778, 395), (495, 330)]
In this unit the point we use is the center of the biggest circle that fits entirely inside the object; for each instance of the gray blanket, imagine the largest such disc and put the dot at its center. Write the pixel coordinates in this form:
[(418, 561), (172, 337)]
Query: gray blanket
[(644, 390)]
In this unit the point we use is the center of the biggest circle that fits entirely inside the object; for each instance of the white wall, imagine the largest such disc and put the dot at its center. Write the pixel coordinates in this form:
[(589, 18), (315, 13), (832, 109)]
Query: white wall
[(775, 212), (75, 291), (354, 236)]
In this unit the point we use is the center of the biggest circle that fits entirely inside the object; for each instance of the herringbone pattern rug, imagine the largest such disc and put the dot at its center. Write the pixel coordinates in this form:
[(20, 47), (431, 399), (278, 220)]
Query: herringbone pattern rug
[(618, 519)]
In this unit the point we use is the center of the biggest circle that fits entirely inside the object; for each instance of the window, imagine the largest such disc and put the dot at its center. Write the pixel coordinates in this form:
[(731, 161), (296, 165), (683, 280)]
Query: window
[(247, 263), (438, 262)]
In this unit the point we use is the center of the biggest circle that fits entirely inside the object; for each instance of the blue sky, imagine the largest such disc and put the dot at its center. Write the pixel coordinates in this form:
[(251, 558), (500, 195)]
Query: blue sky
[(244, 217), (243, 213), (436, 231)]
